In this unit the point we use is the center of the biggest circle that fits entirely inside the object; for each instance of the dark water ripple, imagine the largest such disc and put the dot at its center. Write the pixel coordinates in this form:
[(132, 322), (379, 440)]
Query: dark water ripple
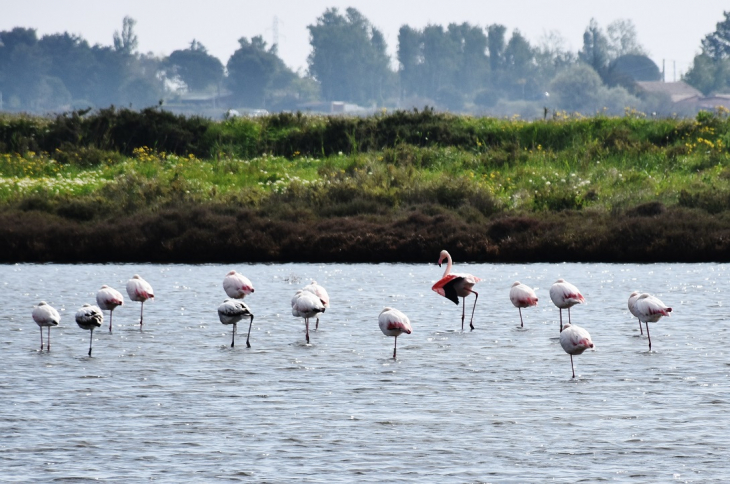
[(175, 402)]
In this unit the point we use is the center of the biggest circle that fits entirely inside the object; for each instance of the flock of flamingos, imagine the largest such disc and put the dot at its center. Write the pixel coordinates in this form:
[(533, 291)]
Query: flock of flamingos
[(313, 299)]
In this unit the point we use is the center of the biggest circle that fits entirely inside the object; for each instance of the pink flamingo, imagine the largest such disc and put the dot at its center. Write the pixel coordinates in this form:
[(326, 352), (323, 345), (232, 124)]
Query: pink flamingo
[(139, 290), (650, 310), (575, 340), (321, 293), (306, 305), (632, 308), (522, 296), (237, 285), (394, 323), (564, 296), (231, 312), (456, 285), (46, 315), (89, 317), (108, 299)]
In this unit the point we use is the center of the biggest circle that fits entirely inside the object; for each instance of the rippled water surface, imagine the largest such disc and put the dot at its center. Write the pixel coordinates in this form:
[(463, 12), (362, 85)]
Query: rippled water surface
[(176, 403)]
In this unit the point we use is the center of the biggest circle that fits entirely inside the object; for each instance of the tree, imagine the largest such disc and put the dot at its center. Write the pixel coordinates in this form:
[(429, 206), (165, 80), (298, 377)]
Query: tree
[(708, 74), (633, 67), (195, 67), (496, 45), (577, 88), (71, 61), (348, 57), (717, 44), (595, 48), (519, 66), (126, 42), (252, 70), (622, 39)]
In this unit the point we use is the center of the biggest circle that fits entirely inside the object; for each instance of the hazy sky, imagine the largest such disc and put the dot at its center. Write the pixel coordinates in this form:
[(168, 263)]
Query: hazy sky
[(668, 29)]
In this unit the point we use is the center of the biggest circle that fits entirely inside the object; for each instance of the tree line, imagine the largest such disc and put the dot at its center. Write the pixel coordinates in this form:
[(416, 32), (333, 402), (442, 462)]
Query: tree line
[(457, 67)]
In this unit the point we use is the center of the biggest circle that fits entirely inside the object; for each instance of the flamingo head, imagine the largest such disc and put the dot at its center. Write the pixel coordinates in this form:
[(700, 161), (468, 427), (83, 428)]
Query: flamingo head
[(443, 255), (516, 283)]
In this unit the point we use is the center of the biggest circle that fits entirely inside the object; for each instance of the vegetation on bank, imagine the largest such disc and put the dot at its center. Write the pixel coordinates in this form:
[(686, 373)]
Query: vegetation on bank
[(155, 186)]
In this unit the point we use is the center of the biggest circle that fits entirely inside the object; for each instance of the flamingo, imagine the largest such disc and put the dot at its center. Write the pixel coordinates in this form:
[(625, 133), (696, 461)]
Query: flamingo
[(237, 286), (108, 298), (321, 293), (632, 301), (89, 317), (231, 312), (564, 296), (650, 310), (46, 315), (139, 290), (575, 340), (394, 323), (522, 296), (456, 285), (306, 305)]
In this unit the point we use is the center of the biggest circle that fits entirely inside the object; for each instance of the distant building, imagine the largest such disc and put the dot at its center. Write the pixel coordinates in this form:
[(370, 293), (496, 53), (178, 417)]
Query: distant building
[(677, 91)]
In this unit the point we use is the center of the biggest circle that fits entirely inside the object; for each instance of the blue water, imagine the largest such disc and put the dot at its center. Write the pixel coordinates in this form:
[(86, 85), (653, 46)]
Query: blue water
[(175, 403)]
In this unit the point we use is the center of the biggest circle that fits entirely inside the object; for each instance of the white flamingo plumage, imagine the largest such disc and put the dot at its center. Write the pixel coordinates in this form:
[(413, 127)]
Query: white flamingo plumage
[(575, 340), (237, 285), (632, 308), (394, 323), (306, 305), (650, 310), (456, 285), (522, 296), (231, 312), (139, 290), (321, 293), (45, 315), (565, 295), (108, 299), (89, 317)]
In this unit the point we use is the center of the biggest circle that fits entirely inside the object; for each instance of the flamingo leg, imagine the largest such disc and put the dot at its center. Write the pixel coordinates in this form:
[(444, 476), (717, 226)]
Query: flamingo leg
[(248, 345), (640, 328), (476, 296), (316, 327), (41, 328), (571, 365), (647, 333), (569, 316), (91, 338), (48, 342), (306, 327), (111, 313), (463, 309), (233, 336), (522, 324), (395, 345), (141, 316), (561, 320)]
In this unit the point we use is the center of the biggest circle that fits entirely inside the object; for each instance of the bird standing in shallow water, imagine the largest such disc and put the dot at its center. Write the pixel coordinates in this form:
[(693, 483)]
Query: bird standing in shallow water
[(456, 285), (46, 315), (108, 299), (394, 323), (650, 310), (565, 295), (231, 312), (139, 290), (575, 340), (89, 317), (321, 293), (306, 305), (522, 296), (237, 285)]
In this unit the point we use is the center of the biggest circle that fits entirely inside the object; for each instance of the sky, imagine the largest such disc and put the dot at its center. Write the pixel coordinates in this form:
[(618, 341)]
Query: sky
[(670, 30)]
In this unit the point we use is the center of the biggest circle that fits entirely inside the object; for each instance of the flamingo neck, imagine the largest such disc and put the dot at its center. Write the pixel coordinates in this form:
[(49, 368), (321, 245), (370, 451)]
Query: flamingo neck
[(448, 265)]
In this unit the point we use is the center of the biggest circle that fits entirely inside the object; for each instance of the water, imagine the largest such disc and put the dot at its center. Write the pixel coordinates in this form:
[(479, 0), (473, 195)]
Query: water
[(175, 403)]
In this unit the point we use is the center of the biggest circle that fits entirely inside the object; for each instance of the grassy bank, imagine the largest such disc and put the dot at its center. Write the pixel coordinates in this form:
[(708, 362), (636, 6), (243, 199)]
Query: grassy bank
[(136, 186)]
